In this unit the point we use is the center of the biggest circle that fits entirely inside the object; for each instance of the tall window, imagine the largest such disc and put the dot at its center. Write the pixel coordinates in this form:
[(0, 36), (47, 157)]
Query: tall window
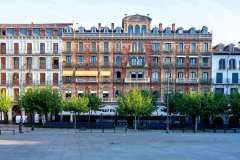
[(16, 48), (205, 75), (55, 78), (180, 61), (118, 60), (106, 60), (180, 75), (232, 64), (193, 61), (94, 47), (106, 45), (69, 48), (234, 77), (69, 59), (55, 48), (168, 75), (130, 29), (168, 47), (29, 48), (42, 78), (155, 61), (205, 60), (42, 48), (81, 47), (219, 78), (93, 59), (156, 47), (42, 63), (205, 47), (118, 46), (137, 29), (222, 64), (181, 47), (155, 76), (193, 47), (167, 60), (80, 59), (3, 48), (144, 29), (29, 63), (16, 62), (193, 75)]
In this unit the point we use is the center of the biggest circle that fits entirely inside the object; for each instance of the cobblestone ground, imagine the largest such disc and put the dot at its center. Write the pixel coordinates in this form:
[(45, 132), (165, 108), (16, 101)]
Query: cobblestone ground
[(69, 144)]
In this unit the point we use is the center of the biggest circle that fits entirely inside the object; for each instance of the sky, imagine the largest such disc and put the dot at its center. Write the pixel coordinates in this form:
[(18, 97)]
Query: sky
[(222, 17)]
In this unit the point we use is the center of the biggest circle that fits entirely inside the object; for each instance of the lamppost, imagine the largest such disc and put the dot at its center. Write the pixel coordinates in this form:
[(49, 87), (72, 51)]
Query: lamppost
[(21, 123), (167, 126)]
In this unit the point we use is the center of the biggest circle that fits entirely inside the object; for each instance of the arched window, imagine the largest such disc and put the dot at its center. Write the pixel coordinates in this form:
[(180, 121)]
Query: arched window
[(118, 74), (137, 29), (106, 29), (130, 29), (232, 64), (93, 29), (144, 29), (133, 61), (168, 30), (140, 61), (81, 29), (155, 30), (118, 30)]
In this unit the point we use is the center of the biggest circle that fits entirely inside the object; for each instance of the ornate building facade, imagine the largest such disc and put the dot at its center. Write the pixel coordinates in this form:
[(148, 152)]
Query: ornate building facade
[(30, 55), (109, 61)]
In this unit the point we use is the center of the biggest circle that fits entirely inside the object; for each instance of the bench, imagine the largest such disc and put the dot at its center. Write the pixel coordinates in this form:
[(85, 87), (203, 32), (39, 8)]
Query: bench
[(7, 130)]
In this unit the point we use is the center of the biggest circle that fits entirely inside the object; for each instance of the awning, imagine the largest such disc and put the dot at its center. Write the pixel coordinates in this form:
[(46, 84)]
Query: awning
[(67, 73), (105, 73), (86, 73), (80, 92), (105, 92)]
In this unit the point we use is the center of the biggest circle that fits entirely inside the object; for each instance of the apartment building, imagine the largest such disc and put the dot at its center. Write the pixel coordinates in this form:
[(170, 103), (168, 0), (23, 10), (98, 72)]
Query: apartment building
[(225, 68), (30, 55), (109, 61)]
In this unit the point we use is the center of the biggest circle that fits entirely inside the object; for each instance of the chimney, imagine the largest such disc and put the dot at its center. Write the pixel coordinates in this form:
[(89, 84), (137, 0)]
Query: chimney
[(239, 44), (99, 26), (112, 26), (173, 27), (160, 27)]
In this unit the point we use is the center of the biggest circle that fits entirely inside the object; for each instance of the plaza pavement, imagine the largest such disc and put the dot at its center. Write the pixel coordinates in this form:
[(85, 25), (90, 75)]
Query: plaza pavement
[(69, 144)]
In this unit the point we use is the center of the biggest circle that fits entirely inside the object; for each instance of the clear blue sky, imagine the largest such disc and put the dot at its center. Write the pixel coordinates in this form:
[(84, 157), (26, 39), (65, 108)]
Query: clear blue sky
[(221, 16)]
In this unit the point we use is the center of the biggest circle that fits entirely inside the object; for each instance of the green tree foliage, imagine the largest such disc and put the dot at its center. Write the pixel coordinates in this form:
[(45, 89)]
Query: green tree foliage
[(5, 102), (235, 104), (135, 103)]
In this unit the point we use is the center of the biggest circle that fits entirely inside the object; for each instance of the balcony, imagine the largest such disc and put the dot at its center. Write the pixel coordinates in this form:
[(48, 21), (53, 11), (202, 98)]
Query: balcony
[(15, 82), (191, 65), (136, 65), (180, 65), (205, 81), (55, 83), (118, 80), (16, 66), (137, 80), (86, 80), (180, 80), (192, 80), (205, 65), (68, 80), (68, 65), (42, 66), (168, 65), (55, 66), (106, 80), (3, 82)]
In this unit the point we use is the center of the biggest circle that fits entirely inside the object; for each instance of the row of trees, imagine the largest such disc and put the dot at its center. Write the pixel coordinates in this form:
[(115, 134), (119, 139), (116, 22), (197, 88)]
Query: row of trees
[(5, 103), (196, 104), (47, 100)]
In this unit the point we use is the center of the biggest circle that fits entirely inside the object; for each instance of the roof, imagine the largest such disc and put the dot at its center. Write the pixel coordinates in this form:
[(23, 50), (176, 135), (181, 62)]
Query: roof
[(137, 17), (33, 25)]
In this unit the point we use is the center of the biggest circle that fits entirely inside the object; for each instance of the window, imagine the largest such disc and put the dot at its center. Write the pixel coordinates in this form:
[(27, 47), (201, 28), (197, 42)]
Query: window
[(133, 75), (69, 47), (167, 60), (42, 78), (133, 61), (233, 90), (36, 32), (118, 46), (80, 46), (106, 44), (193, 75), (219, 77), (193, 47), (93, 59), (140, 75), (144, 29), (15, 78), (219, 90), (205, 47), (180, 61), (106, 60), (3, 78), (55, 48), (232, 64), (16, 62), (181, 47), (205, 60), (118, 74), (80, 60), (205, 75), (55, 78), (168, 75), (55, 63), (42, 62), (234, 77), (168, 47), (3, 48), (16, 48), (49, 32), (42, 48), (155, 61), (118, 60), (29, 48), (180, 75), (222, 64), (69, 59), (23, 31), (137, 29), (68, 94), (193, 61), (130, 29), (155, 76), (94, 47), (156, 47)]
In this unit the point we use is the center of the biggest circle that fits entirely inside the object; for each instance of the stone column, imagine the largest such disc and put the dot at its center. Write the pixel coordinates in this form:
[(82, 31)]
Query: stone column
[(10, 115)]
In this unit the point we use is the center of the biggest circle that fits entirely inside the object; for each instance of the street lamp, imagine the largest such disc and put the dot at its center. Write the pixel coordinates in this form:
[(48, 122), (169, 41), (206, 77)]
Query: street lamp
[(167, 126), (21, 123)]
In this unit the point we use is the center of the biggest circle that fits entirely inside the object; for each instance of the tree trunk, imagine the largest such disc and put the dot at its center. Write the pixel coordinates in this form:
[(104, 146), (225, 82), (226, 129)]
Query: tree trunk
[(75, 120), (135, 123), (33, 121), (196, 124)]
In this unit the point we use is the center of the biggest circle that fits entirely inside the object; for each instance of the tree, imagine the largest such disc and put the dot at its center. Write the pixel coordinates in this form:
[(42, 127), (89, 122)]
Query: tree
[(135, 103), (76, 105), (5, 102), (235, 104), (93, 105)]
